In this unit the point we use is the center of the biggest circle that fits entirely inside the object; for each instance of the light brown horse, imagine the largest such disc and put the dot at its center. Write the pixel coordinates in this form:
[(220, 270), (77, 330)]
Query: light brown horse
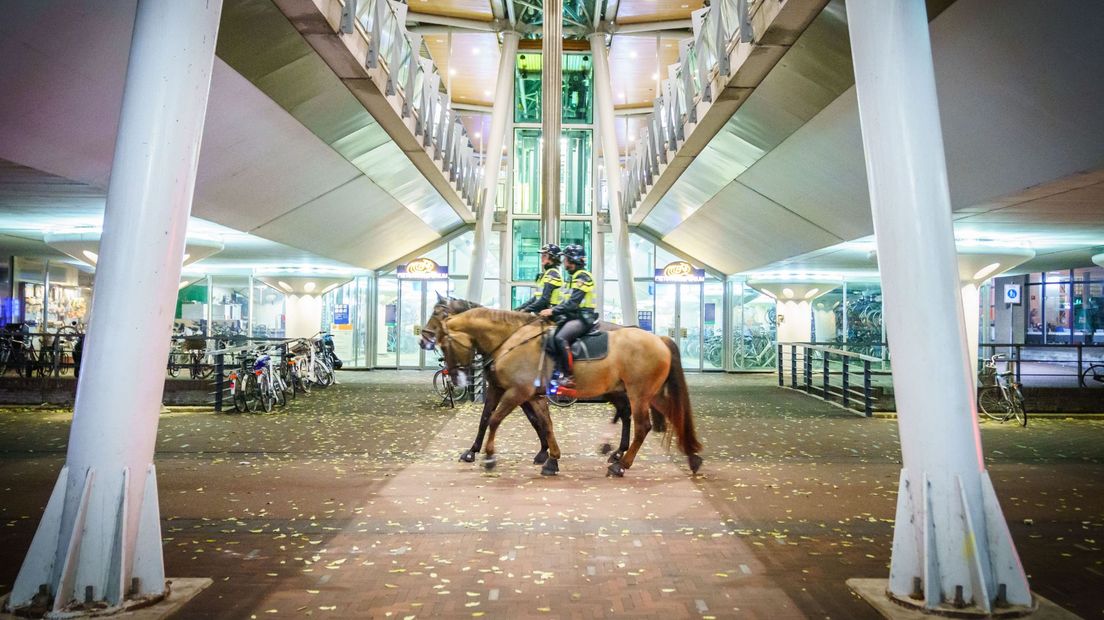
[(450, 306), (646, 367)]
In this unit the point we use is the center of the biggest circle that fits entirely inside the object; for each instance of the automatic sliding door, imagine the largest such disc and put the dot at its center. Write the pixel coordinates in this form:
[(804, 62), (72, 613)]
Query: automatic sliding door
[(690, 325)]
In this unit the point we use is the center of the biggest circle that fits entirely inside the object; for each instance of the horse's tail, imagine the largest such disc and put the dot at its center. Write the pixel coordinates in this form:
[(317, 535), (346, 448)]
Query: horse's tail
[(678, 413)]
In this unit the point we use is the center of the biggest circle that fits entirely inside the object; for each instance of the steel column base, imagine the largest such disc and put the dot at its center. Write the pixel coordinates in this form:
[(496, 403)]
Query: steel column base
[(960, 559), (874, 592), (75, 570)]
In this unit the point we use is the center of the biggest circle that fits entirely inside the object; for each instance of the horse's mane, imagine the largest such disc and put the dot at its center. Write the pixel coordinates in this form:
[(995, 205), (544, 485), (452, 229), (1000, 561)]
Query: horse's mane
[(515, 319)]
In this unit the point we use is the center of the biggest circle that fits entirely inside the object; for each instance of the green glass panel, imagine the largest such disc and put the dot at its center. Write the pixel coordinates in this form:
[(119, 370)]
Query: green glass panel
[(527, 171), (575, 168), (527, 88), (526, 250), (575, 231), (520, 295), (578, 89)]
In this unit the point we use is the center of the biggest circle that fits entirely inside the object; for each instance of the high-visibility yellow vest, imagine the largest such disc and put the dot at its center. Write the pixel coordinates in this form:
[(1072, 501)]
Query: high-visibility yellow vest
[(582, 280), (551, 276)]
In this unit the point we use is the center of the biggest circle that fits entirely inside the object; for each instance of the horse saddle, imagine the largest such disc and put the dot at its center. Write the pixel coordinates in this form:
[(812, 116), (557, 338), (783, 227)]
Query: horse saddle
[(593, 345)]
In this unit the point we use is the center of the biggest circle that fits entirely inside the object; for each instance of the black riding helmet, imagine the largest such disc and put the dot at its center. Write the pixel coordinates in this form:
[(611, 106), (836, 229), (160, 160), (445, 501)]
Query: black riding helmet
[(553, 251), (575, 253)]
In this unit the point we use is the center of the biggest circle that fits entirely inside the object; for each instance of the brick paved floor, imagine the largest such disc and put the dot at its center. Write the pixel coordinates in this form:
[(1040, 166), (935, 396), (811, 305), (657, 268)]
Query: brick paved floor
[(352, 504)]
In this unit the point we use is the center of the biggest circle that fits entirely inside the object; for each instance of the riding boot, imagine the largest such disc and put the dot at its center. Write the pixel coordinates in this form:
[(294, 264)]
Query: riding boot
[(568, 380)]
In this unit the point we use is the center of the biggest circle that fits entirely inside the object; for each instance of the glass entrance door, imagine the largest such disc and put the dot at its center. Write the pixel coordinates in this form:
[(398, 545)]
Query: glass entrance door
[(415, 305), (678, 315)]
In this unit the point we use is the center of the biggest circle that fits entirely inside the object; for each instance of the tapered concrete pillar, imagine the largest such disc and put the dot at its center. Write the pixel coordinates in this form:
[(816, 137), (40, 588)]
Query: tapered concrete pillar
[(951, 545), (100, 537), (603, 91), (551, 118), (500, 120), (793, 306)]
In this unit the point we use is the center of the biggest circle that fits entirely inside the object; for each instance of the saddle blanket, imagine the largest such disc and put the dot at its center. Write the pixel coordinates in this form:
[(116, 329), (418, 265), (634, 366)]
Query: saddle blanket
[(589, 346)]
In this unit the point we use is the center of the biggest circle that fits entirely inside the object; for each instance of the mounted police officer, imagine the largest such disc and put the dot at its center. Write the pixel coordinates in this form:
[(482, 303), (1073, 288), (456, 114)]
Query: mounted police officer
[(549, 282), (576, 314)]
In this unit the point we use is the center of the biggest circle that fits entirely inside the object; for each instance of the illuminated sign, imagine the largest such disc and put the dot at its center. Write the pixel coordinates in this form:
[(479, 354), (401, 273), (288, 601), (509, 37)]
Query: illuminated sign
[(422, 269), (679, 271)]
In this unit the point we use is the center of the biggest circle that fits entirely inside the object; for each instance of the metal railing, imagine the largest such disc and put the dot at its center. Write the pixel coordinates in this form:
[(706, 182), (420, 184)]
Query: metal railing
[(418, 84), (718, 29), (1079, 365), (837, 376), (220, 385)]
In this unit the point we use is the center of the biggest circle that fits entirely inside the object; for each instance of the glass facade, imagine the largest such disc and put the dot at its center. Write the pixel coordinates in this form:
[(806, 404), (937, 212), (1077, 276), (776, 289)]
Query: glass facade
[(1063, 307), (527, 88), (527, 171), (576, 231), (526, 244), (576, 188), (578, 88)]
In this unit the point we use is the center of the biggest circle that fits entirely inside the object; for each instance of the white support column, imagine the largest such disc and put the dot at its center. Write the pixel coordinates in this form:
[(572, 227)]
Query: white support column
[(100, 537), (551, 119), (500, 116), (951, 542), (603, 92)]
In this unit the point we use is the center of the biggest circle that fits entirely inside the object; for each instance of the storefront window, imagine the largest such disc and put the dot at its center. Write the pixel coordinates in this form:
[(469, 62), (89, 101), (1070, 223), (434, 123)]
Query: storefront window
[(269, 311), (229, 307), (575, 231), (342, 316), (575, 164), (526, 250), (527, 171), (387, 336), (713, 325), (1056, 309), (191, 308), (863, 323)]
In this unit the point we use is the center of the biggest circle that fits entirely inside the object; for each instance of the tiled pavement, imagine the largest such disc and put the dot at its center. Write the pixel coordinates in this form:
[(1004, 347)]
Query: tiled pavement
[(352, 504)]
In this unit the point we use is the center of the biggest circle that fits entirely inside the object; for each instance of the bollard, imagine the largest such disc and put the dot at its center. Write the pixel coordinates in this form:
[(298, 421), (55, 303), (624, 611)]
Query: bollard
[(220, 382), (846, 381)]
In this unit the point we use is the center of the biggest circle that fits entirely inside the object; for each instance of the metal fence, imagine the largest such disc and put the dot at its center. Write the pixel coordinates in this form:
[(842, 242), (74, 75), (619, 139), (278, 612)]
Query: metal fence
[(841, 377)]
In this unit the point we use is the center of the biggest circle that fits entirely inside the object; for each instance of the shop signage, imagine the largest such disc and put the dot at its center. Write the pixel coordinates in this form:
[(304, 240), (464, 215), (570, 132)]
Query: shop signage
[(341, 314), (1012, 294), (681, 272), (422, 269)]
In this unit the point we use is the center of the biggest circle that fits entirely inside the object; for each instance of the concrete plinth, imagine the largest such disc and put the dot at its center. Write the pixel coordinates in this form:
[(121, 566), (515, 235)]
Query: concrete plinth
[(873, 591), (180, 591)]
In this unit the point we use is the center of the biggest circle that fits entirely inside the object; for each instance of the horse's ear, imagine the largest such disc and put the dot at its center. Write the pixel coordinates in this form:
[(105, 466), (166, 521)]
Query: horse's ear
[(440, 298)]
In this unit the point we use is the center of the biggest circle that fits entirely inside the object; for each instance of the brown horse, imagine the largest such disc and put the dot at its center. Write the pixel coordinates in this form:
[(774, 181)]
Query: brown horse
[(647, 368), (450, 306)]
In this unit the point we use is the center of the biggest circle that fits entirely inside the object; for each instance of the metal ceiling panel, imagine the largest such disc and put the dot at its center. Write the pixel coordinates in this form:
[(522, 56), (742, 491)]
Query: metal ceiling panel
[(360, 223), (302, 83), (815, 70), (257, 162), (738, 229)]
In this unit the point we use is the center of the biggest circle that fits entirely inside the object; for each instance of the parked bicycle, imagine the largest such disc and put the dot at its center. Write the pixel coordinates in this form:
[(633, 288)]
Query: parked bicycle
[(1094, 374), (999, 397), (445, 387)]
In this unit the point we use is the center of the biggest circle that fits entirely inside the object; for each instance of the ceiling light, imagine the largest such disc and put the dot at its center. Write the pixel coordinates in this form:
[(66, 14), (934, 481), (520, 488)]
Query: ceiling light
[(986, 270), (620, 95), (90, 255), (486, 93), (655, 76), (183, 283), (309, 286), (811, 294), (788, 293), (475, 51), (452, 71), (186, 257), (632, 54), (284, 285), (478, 135)]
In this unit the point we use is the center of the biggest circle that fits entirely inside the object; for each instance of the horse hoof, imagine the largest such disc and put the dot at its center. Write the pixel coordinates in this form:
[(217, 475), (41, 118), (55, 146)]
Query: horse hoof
[(541, 457), (489, 463), (695, 463), (468, 457), (616, 470), (615, 457), (551, 466), (605, 448)]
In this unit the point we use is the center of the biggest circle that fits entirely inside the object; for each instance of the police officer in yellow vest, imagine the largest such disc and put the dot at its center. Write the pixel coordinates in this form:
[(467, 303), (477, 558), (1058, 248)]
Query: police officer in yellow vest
[(549, 282), (576, 314)]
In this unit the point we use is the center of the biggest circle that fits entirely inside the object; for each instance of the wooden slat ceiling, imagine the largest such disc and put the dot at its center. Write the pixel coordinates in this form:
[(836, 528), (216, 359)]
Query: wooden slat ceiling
[(634, 64), (471, 68), (636, 11), (468, 9)]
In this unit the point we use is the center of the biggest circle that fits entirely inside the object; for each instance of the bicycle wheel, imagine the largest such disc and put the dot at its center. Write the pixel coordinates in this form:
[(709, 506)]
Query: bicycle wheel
[(250, 392), (238, 395), (279, 395), (440, 387), (992, 403), (268, 395), (174, 368), (1093, 374), (324, 375), (302, 381)]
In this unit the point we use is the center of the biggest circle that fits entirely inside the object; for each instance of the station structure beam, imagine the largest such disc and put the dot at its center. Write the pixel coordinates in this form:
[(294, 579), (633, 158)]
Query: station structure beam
[(952, 550), (99, 540), (500, 120), (611, 155)]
